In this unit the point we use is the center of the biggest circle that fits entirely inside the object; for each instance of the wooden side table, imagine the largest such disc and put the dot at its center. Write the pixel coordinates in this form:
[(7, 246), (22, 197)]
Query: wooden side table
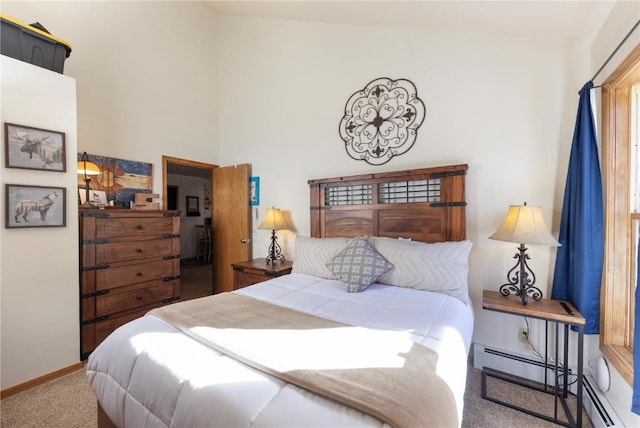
[(257, 270), (559, 313)]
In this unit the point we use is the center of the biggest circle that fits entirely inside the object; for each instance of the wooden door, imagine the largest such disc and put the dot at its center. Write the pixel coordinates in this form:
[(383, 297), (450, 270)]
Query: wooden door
[(231, 222)]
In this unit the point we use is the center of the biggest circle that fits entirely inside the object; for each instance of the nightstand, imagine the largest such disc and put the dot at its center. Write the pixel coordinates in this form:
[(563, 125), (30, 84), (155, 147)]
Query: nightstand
[(257, 270), (559, 314)]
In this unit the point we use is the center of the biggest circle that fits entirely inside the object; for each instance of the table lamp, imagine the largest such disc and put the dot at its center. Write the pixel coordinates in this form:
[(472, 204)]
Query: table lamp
[(273, 221), (86, 169), (523, 225)]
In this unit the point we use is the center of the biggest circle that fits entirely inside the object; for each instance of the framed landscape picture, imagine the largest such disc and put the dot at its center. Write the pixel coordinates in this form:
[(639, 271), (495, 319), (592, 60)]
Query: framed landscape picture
[(35, 206), (34, 148)]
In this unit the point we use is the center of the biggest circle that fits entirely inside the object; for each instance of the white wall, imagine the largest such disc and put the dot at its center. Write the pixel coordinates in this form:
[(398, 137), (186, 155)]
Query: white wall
[(39, 312)]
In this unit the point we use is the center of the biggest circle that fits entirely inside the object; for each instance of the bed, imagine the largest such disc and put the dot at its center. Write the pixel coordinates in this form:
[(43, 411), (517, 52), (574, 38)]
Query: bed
[(372, 328)]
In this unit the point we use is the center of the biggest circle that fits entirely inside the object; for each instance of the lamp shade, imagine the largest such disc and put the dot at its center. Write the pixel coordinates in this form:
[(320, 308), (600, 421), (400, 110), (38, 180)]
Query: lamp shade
[(525, 225), (273, 220), (89, 168)]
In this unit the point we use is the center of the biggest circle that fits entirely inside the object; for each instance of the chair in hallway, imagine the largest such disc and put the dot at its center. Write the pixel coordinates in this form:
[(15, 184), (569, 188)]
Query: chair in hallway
[(203, 242)]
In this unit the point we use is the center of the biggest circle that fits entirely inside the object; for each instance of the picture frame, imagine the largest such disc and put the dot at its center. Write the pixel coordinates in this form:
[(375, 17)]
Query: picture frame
[(35, 206), (255, 191), (97, 198), (27, 147), (120, 179), (193, 206)]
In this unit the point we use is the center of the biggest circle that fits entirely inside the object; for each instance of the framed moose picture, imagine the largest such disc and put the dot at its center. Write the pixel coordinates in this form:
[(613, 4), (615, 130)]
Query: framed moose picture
[(34, 148), (35, 206)]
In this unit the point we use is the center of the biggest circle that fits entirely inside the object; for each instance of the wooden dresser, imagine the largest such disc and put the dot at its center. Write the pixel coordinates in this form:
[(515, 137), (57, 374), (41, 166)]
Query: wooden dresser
[(129, 264)]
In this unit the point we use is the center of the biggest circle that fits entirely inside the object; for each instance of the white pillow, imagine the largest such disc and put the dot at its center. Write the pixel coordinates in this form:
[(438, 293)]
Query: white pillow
[(311, 255), (358, 265), (441, 267)]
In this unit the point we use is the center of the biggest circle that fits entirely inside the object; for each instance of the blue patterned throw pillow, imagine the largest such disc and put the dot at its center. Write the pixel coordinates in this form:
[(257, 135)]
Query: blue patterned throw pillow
[(358, 265)]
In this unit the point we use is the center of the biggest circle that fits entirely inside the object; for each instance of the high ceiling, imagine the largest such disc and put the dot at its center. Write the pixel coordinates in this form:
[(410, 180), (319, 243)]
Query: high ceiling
[(555, 21)]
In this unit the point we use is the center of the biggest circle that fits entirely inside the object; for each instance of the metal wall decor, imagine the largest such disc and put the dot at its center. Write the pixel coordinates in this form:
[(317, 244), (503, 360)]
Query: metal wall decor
[(382, 120)]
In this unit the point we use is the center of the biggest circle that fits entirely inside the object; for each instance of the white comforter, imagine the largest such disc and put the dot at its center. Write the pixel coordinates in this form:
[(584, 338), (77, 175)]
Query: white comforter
[(148, 374)]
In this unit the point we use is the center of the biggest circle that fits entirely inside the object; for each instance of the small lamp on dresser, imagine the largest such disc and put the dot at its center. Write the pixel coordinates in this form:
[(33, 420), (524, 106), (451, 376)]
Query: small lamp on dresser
[(523, 225), (87, 169), (273, 221)]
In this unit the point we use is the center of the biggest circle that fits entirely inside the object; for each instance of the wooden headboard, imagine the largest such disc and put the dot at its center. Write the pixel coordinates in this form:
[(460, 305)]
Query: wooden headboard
[(426, 204)]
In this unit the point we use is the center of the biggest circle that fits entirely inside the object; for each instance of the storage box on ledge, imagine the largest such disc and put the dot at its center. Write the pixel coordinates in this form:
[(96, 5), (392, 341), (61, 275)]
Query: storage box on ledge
[(32, 44), (144, 201)]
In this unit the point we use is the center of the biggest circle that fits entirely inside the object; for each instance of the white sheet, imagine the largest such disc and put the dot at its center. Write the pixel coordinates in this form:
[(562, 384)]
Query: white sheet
[(148, 374)]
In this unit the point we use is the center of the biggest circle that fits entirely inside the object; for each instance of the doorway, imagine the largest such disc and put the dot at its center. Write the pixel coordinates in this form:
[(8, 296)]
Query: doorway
[(190, 182)]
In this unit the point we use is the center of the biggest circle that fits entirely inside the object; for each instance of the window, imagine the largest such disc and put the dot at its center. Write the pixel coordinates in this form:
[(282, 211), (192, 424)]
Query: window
[(620, 169)]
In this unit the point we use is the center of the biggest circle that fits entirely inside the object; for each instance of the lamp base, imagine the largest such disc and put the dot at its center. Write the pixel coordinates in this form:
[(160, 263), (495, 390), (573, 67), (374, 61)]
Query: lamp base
[(275, 252), (278, 259), (521, 279), (86, 204)]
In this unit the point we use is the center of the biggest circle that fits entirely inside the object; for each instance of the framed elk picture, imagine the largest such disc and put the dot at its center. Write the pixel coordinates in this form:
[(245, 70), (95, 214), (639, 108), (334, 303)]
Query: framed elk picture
[(34, 148), (35, 206)]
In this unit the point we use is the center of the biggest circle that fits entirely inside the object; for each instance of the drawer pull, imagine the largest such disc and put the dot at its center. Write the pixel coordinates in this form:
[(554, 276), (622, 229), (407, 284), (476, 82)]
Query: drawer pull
[(138, 273), (95, 320), (95, 293), (138, 297), (138, 226), (138, 250), (96, 267)]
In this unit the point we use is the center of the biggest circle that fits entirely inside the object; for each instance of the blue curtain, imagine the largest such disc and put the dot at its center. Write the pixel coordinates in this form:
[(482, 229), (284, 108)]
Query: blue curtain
[(578, 268)]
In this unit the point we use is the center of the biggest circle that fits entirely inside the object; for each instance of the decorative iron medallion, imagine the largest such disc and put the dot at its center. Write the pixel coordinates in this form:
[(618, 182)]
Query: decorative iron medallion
[(382, 120)]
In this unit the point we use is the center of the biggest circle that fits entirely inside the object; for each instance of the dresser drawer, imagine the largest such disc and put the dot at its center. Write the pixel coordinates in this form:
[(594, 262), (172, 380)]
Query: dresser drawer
[(121, 251), (257, 270), (127, 275), (133, 296), (105, 328), (244, 279), (132, 227)]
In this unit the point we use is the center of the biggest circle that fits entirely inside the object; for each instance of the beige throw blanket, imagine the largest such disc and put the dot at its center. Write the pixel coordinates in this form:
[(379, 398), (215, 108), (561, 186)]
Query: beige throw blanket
[(381, 373)]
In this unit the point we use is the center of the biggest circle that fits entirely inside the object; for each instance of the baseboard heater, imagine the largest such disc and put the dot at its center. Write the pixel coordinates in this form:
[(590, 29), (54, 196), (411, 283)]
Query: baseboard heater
[(598, 408), (594, 401)]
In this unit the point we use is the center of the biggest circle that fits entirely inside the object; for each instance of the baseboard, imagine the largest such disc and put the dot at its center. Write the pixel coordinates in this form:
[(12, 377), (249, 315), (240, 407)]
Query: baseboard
[(40, 380)]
